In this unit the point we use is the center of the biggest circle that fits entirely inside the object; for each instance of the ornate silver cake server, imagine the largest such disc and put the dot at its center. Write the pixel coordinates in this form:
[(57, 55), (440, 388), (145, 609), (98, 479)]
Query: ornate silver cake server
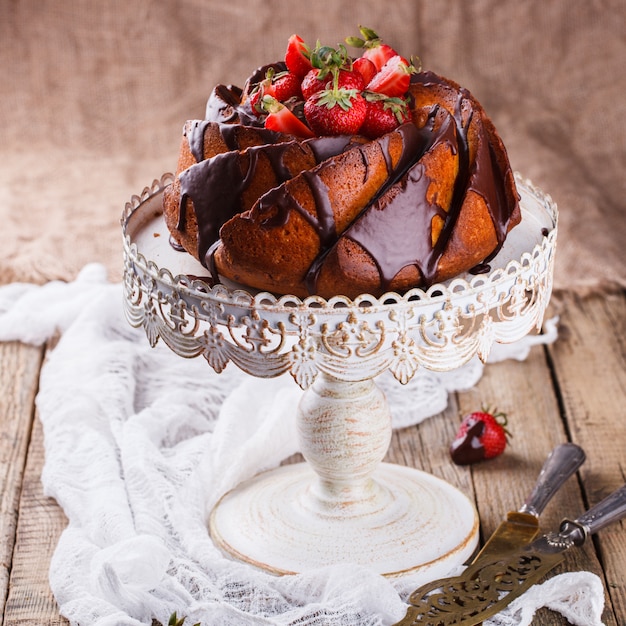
[(489, 585)]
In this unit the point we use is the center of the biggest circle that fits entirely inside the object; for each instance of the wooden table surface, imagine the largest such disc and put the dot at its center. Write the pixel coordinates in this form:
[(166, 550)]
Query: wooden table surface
[(574, 389)]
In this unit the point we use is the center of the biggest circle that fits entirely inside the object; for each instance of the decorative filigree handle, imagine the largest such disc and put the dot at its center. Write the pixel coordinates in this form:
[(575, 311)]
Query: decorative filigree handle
[(563, 461)]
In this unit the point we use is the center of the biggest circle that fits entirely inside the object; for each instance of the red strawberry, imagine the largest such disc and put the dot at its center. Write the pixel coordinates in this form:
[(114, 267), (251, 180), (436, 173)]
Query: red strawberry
[(297, 56), (366, 68), (255, 102), (317, 79), (374, 49), (337, 111), (394, 77), (256, 98), (264, 88), (281, 86), (379, 55), (313, 82), (481, 435), (383, 114), (286, 85), (349, 79), (281, 119)]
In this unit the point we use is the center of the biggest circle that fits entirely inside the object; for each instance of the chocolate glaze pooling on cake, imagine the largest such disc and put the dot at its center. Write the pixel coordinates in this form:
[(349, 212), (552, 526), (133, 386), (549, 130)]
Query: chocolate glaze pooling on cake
[(403, 236)]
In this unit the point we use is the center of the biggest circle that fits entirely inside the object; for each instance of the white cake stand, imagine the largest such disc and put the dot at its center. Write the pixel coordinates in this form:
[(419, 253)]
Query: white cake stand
[(343, 504)]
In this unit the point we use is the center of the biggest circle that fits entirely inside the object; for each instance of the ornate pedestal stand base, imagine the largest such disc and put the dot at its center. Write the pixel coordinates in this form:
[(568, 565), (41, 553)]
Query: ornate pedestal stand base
[(344, 506), (407, 521)]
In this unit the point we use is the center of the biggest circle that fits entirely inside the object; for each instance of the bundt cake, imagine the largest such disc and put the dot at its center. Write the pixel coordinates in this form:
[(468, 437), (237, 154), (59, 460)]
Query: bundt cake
[(332, 175)]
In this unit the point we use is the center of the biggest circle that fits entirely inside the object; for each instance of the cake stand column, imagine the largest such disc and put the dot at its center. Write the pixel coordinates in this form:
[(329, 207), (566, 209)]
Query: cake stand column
[(345, 432), (344, 505)]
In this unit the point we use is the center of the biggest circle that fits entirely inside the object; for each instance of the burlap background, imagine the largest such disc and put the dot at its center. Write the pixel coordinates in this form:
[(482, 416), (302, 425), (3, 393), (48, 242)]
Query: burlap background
[(94, 94)]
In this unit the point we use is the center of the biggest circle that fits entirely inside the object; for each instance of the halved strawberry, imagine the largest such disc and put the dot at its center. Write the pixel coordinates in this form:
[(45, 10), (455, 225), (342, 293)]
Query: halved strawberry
[(366, 68), (383, 114), (281, 119), (379, 55), (297, 56), (373, 47), (394, 77)]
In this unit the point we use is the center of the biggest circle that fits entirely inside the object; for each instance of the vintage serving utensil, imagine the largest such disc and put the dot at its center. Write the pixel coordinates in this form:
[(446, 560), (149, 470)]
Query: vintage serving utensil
[(522, 526), (489, 585)]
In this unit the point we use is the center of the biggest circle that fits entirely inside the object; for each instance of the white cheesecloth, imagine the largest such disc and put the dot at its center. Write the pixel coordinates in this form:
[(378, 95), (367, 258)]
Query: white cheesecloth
[(140, 443)]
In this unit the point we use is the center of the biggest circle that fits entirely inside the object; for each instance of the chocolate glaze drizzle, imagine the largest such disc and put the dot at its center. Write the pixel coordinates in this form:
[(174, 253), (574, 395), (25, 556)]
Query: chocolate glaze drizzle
[(224, 103), (395, 229), (468, 449), (397, 233), (364, 229), (215, 202)]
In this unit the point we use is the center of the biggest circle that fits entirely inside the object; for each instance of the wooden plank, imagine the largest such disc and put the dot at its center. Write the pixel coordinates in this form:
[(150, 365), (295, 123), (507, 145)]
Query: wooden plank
[(40, 523), (425, 447), (39, 519), (524, 390), (19, 379), (590, 364)]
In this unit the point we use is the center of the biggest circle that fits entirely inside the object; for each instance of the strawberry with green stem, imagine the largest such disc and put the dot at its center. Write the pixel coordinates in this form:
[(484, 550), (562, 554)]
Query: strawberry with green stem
[(339, 108), (373, 47), (383, 114), (335, 111), (286, 85), (281, 85), (316, 81), (330, 64), (264, 88)]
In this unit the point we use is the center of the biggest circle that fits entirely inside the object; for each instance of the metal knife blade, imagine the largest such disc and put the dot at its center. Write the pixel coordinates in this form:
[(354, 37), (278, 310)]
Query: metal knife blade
[(488, 586), (522, 526)]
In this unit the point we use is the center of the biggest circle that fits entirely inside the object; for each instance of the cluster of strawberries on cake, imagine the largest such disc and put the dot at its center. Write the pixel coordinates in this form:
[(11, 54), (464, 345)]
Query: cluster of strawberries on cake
[(325, 91)]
